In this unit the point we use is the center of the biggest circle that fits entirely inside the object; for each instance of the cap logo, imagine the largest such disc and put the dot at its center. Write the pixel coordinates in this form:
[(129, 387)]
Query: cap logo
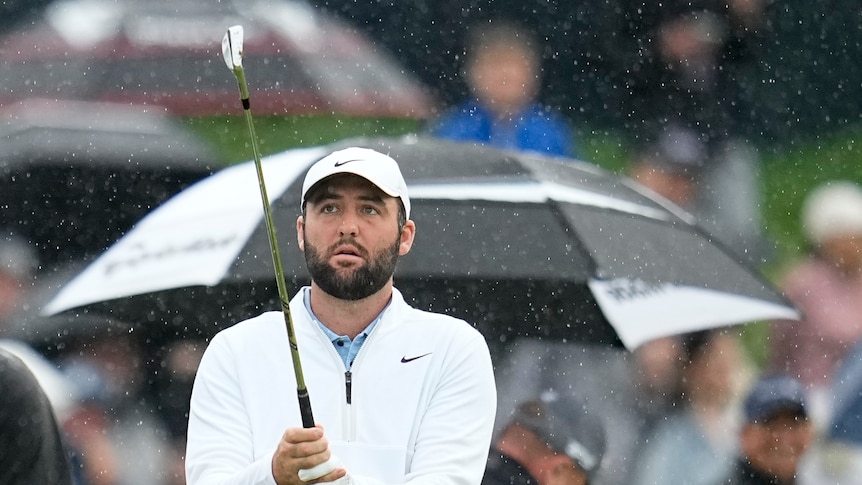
[(344, 162)]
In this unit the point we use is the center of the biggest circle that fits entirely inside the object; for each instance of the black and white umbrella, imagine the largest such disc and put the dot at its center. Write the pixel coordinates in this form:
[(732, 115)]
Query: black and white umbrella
[(518, 244)]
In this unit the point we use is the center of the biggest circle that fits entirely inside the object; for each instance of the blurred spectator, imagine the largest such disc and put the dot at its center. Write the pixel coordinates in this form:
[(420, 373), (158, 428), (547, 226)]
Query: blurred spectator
[(775, 436), (674, 166), (670, 167), (173, 389), (116, 428), (503, 71), (31, 446), (695, 444), (836, 457), (600, 377), (827, 287), (681, 61), (18, 263), (658, 370), (547, 441)]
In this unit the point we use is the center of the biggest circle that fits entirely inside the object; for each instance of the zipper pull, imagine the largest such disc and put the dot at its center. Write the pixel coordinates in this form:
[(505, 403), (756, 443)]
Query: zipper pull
[(348, 381)]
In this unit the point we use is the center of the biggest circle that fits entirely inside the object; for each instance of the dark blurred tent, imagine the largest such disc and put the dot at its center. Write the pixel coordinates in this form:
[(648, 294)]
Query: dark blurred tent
[(168, 53), (74, 176)]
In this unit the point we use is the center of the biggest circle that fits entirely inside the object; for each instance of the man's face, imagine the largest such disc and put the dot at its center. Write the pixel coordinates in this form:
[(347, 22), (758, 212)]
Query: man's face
[(776, 445), (350, 237)]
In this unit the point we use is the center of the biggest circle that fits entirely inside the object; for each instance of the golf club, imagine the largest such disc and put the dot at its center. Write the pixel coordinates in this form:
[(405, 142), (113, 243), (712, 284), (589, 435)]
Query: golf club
[(232, 52)]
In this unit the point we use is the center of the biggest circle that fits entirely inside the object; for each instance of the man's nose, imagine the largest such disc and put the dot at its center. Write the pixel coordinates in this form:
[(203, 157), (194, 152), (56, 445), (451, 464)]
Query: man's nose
[(348, 224)]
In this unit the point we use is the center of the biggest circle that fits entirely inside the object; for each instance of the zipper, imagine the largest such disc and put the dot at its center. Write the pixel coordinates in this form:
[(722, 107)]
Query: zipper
[(349, 416)]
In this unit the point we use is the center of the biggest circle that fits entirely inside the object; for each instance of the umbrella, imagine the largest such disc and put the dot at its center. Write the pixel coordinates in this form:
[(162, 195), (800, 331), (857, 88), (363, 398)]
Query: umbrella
[(74, 176), (517, 243), (164, 52)]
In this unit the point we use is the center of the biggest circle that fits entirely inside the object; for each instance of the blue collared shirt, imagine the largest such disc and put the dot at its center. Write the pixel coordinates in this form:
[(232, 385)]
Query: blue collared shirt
[(346, 348)]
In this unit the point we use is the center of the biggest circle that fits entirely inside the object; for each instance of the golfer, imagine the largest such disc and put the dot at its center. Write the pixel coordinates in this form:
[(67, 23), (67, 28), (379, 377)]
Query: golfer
[(399, 395)]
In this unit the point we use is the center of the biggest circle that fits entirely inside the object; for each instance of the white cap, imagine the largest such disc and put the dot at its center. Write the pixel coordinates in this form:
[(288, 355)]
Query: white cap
[(833, 209), (379, 169)]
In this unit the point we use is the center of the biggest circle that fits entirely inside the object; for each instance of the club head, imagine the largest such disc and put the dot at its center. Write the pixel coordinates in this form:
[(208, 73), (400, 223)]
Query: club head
[(231, 47)]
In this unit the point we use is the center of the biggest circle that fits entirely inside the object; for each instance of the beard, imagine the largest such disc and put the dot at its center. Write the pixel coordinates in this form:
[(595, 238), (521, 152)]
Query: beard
[(361, 282)]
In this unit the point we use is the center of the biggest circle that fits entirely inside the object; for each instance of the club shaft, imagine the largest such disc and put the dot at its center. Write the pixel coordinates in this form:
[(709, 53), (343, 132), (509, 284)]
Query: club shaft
[(301, 390)]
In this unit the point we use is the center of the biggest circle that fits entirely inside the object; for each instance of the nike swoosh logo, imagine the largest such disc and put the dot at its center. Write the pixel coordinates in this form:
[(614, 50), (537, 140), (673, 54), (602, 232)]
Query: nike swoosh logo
[(343, 162), (406, 359)]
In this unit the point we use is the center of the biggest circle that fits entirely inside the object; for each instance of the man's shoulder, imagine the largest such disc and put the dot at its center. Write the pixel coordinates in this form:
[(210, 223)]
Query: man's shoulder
[(432, 323)]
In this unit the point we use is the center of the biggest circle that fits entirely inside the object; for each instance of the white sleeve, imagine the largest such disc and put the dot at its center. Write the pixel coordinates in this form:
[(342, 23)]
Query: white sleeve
[(219, 447)]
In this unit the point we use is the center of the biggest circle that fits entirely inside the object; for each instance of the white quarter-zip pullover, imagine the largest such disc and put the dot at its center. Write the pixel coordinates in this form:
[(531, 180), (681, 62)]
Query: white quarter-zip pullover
[(416, 407)]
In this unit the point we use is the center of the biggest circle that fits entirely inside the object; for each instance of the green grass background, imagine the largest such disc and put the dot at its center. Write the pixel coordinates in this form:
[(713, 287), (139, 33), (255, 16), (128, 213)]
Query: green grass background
[(788, 172)]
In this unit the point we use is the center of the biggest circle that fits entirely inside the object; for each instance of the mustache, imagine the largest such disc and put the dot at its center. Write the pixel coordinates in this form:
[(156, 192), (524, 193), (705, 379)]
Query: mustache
[(349, 241)]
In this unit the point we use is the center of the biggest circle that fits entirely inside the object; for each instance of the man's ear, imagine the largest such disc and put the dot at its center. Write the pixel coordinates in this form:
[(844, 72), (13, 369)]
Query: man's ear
[(408, 232), (300, 233)]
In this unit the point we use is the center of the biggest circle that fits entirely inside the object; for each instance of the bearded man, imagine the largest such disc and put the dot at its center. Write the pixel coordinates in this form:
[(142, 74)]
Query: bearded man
[(400, 396)]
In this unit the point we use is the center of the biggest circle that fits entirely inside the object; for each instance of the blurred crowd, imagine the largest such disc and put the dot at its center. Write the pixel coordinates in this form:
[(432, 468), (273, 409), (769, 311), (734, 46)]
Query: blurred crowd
[(691, 409)]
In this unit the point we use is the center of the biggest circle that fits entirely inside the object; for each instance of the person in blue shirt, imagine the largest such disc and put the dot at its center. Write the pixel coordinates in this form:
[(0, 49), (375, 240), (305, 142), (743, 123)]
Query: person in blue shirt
[(503, 71)]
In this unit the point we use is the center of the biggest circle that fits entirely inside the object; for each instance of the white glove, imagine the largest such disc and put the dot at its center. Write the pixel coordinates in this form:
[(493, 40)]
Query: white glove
[(317, 471)]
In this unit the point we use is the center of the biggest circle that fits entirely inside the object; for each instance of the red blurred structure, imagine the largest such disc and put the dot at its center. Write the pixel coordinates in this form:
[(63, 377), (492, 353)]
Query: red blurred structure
[(162, 52)]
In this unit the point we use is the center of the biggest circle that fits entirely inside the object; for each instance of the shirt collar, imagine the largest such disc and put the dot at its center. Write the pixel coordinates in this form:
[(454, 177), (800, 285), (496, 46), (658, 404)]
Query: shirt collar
[(332, 336)]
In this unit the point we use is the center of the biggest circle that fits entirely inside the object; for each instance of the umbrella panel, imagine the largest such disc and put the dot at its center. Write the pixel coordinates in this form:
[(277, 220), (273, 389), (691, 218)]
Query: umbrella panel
[(626, 246), (494, 241)]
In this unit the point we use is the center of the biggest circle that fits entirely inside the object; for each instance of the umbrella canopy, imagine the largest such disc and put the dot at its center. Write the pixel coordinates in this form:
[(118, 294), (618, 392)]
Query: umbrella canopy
[(517, 243), (165, 52), (74, 176)]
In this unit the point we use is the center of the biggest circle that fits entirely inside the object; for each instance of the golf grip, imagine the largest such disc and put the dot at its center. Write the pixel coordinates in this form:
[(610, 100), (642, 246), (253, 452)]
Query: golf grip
[(301, 390)]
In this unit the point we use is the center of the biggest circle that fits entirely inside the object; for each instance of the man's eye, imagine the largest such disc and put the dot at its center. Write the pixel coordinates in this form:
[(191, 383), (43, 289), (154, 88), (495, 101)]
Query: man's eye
[(370, 210), (329, 209)]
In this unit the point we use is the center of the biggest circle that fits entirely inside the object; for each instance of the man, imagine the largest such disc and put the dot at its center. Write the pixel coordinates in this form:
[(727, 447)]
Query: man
[(776, 434), (548, 441), (399, 395)]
